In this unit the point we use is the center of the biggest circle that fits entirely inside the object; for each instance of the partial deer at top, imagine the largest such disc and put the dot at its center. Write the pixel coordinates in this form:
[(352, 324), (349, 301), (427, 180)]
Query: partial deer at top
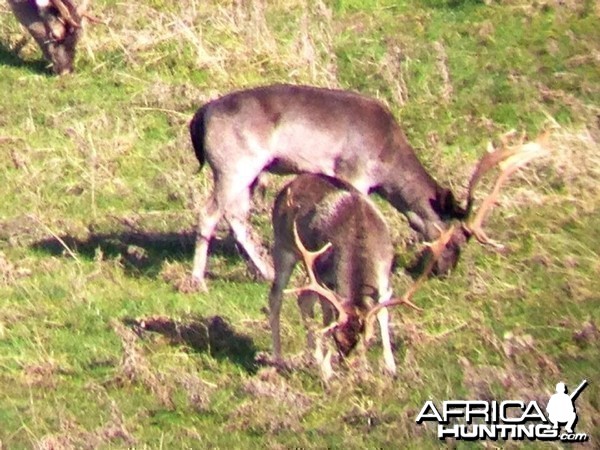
[(294, 129), (56, 26)]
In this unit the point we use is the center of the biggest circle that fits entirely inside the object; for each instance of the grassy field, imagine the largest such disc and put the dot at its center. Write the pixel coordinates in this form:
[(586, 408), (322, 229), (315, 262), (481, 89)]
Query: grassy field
[(100, 191)]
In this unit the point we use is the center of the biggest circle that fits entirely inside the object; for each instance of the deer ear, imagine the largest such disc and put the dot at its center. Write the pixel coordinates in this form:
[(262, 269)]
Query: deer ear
[(446, 205)]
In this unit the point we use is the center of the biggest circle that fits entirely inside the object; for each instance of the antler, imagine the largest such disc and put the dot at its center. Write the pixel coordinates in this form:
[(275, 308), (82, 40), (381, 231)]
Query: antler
[(309, 258), (67, 8), (64, 8), (509, 160), (83, 12), (436, 247)]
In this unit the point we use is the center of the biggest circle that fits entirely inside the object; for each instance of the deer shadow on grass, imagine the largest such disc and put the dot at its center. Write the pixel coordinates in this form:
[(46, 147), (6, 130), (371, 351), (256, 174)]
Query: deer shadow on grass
[(142, 253), (11, 58), (212, 335)]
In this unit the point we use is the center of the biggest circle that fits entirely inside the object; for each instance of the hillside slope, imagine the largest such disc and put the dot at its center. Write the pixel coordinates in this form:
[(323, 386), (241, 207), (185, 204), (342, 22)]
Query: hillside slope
[(100, 191)]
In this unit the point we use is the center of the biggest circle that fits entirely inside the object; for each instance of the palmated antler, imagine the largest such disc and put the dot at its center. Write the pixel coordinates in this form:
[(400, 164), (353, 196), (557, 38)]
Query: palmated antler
[(509, 160), (309, 258), (437, 247)]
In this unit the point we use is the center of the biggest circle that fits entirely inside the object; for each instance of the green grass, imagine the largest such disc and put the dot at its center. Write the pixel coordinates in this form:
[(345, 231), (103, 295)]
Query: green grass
[(100, 191)]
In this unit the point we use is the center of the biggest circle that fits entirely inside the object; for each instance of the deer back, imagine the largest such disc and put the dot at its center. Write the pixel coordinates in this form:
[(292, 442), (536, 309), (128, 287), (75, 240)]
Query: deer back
[(326, 210), (295, 129)]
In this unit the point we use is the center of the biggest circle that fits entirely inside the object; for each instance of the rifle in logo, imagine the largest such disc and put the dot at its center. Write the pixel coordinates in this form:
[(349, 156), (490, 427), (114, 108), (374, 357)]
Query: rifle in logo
[(577, 391)]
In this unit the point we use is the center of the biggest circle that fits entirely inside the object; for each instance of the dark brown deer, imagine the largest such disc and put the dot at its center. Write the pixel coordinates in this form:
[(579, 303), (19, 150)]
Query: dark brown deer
[(355, 261), (295, 129), (56, 26), (350, 265)]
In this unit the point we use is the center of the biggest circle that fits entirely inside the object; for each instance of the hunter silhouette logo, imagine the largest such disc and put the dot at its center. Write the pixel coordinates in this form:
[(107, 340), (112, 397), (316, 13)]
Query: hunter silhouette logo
[(561, 406), (472, 420)]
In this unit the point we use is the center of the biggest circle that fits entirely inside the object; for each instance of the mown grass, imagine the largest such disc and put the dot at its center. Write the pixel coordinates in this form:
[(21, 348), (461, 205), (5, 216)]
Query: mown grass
[(100, 192)]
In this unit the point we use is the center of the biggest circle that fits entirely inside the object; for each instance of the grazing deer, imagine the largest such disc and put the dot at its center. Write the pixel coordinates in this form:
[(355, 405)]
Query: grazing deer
[(55, 25), (295, 129), (325, 213), (349, 270)]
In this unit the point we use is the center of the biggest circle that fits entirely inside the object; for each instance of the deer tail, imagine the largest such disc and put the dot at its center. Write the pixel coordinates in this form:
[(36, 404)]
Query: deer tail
[(197, 133)]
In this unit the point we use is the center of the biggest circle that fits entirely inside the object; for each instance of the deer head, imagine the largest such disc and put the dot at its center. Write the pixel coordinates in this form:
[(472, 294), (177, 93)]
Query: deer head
[(351, 323), (509, 159), (56, 25)]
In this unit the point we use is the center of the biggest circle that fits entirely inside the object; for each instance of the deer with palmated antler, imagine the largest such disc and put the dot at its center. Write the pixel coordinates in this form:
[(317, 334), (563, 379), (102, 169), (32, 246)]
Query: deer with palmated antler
[(56, 26), (349, 268), (295, 129)]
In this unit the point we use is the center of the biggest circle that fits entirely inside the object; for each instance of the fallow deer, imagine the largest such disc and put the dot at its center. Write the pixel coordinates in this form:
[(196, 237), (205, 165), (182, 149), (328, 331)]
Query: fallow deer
[(315, 211), (295, 129), (349, 268), (349, 271), (56, 25)]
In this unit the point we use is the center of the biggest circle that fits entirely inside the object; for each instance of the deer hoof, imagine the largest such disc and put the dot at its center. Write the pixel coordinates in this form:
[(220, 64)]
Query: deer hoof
[(267, 274), (191, 285), (390, 372)]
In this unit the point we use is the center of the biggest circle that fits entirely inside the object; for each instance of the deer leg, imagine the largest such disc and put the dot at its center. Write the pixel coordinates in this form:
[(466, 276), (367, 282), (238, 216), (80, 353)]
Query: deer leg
[(388, 356), (284, 265), (323, 360), (236, 216), (228, 188), (322, 352), (206, 226), (306, 302), (322, 355)]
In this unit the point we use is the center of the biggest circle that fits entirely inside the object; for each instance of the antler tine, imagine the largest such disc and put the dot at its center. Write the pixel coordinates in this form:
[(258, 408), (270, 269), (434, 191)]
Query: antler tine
[(509, 161), (65, 13), (309, 258), (83, 12), (490, 160), (494, 157), (67, 7), (436, 247)]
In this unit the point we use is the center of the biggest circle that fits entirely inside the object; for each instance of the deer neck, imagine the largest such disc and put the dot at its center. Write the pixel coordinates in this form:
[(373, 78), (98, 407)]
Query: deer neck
[(359, 268), (414, 192)]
